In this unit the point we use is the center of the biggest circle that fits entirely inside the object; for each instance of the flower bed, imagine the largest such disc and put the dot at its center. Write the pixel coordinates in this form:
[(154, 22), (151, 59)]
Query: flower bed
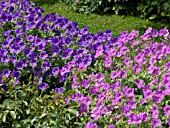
[(77, 78)]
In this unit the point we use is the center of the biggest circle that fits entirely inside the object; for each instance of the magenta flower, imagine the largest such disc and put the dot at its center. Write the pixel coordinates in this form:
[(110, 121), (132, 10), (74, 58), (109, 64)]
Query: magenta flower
[(90, 124), (108, 61), (111, 126), (156, 123), (167, 110), (137, 68)]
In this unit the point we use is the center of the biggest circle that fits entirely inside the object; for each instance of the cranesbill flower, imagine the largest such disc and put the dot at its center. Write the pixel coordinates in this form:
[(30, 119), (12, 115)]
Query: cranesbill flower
[(90, 124), (140, 83), (83, 108), (111, 126), (167, 110), (99, 51), (96, 115), (156, 71), (108, 61), (127, 61), (85, 83), (156, 123), (140, 59), (126, 110), (167, 66), (158, 98), (129, 92), (43, 86), (137, 68)]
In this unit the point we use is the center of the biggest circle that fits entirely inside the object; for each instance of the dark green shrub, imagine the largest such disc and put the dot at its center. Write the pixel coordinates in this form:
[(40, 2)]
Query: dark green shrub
[(157, 9), (114, 6)]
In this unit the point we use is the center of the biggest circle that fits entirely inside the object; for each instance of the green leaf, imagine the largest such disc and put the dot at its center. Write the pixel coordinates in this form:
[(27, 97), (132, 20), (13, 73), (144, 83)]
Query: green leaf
[(152, 17), (154, 3), (4, 116), (2, 106), (9, 103), (73, 111), (43, 115), (25, 103), (69, 93), (13, 115)]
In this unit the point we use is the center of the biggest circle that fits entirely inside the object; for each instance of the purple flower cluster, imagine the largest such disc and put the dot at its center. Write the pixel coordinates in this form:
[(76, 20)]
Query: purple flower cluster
[(133, 83)]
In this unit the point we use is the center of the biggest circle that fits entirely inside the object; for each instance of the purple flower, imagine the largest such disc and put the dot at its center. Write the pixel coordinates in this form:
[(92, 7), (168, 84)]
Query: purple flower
[(90, 124), (19, 65), (85, 83), (126, 110), (33, 62), (16, 74), (47, 73), (59, 90), (43, 86), (129, 92), (156, 123), (111, 126), (4, 86), (137, 68), (96, 115), (167, 110), (140, 83), (158, 98), (43, 55), (6, 73), (108, 61), (113, 75), (156, 71), (154, 33), (13, 59), (6, 33), (83, 108), (55, 71), (56, 49), (37, 72), (45, 65), (99, 51), (167, 66), (67, 53)]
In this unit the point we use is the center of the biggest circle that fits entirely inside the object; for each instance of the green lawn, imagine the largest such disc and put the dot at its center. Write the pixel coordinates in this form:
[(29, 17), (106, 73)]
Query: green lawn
[(98, 22)]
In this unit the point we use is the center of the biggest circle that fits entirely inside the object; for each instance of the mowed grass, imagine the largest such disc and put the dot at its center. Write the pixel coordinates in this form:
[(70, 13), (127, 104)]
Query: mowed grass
[(97, 22)]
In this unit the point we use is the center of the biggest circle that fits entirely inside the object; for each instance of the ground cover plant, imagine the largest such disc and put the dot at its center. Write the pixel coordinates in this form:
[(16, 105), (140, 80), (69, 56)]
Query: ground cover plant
[(53, 74)]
